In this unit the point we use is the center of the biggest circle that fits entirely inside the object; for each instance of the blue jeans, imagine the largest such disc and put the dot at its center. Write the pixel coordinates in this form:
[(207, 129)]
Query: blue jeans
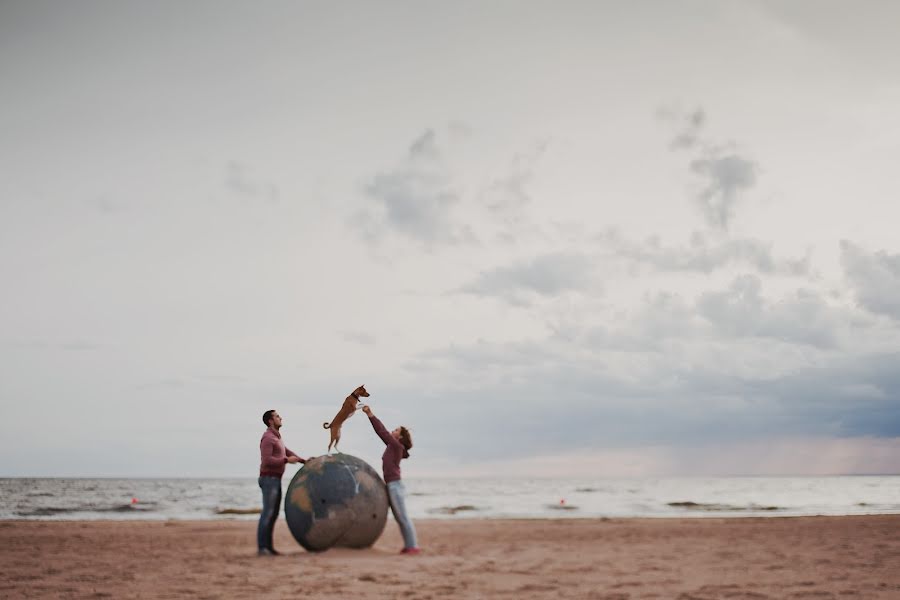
[(271, 493), (397, 496)]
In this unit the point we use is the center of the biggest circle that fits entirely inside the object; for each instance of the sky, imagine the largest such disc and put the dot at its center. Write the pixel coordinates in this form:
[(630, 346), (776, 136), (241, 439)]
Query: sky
[(580, 239)]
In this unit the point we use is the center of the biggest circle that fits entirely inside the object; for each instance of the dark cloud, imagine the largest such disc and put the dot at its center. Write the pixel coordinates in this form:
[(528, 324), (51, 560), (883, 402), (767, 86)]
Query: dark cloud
[(546, 275), (854, 396), (874, 277), (674, 371), (593, 406), (702, 255)]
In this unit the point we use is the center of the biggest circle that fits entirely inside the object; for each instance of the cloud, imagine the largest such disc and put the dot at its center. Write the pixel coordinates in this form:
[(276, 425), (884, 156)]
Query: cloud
[(766, 456), (689, 135), (725, 178), (597, 405), (660, 318), (731, 365), (874, 277), (547, 276), (741, 311), (415, 204), (738, 317), (425, 146), (827, 398), (415, 200), (724, 173), (240, 182), (506, 197), (433, 197), (702, 255)]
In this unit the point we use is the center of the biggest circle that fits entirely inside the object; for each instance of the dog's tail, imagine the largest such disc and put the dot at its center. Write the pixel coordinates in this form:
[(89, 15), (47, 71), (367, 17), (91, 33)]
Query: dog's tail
[(326, 425)]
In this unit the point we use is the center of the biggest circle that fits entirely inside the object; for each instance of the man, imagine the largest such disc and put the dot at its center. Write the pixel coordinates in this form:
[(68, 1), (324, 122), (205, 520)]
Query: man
[(273, 456)]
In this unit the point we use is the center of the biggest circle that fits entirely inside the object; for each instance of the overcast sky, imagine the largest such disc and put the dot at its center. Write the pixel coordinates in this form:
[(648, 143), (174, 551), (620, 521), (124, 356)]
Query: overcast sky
[(552, 238)]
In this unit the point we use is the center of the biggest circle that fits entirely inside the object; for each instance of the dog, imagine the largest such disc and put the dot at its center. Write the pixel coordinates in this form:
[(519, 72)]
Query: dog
[(349, 407)]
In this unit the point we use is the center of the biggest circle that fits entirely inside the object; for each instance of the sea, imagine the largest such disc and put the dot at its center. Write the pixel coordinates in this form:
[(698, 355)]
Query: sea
[(437, 498)]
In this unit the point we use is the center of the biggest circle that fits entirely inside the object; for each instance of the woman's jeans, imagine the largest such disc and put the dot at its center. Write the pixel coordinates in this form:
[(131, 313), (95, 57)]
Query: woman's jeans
[(397, 496), (271, 493)]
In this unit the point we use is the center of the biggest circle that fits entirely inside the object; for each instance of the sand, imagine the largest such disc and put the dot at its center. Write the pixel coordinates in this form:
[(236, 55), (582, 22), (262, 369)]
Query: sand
[(686, 559)]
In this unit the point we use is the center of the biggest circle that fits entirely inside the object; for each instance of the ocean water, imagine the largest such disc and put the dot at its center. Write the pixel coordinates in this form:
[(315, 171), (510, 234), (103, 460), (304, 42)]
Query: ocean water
[(161, 499)]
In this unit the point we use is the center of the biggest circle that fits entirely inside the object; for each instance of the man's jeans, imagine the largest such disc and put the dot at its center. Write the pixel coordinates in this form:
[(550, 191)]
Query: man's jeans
[(271, 494), (397, 495)]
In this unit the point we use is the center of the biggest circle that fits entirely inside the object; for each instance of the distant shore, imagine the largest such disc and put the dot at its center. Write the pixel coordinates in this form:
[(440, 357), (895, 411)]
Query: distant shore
[(611, 559)]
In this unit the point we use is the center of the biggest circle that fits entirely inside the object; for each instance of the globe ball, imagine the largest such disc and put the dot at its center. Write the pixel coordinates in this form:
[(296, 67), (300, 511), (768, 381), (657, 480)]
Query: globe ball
[(336, 500)]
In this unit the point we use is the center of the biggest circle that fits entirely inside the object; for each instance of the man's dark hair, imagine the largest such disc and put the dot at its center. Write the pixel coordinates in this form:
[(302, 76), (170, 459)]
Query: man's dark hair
[(267, 416)]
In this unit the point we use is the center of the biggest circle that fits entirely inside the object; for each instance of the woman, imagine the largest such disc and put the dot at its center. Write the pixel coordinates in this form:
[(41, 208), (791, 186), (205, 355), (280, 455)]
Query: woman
[(398, 443)]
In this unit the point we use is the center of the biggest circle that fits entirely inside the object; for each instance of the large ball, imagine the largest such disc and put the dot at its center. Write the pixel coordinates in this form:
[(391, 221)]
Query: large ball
[(336, 500)]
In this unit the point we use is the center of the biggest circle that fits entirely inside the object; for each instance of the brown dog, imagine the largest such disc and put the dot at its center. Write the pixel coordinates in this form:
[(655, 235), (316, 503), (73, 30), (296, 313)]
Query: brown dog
[(347, 410)]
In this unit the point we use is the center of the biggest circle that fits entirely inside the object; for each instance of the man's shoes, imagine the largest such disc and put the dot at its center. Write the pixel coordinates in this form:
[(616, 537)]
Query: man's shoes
[(411, 551), (268, 552)]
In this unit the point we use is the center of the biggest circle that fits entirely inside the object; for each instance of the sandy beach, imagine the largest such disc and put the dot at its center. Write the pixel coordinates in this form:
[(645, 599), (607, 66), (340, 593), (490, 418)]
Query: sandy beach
[(688, 559)]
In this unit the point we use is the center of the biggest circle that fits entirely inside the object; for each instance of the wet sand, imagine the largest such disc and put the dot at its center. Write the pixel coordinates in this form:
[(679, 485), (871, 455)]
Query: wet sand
[(685, 559)]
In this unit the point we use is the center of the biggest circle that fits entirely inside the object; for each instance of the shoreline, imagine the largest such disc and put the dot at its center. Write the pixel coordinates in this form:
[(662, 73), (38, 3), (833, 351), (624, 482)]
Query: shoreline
[(611, 559), (247, 518)]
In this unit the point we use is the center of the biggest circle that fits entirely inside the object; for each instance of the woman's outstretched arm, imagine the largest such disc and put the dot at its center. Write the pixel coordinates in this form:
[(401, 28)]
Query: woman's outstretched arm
[(378, 426)]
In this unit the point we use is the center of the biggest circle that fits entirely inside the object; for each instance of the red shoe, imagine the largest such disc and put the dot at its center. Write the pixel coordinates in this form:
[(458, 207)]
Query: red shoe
[(410, 551)]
